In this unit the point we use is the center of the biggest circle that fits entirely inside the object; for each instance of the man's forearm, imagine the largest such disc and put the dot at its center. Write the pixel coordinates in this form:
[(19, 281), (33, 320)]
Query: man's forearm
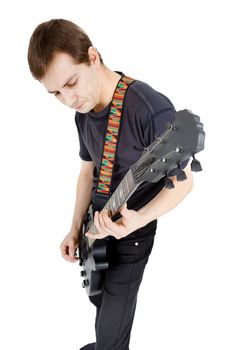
[(167, 199), (83, 200)]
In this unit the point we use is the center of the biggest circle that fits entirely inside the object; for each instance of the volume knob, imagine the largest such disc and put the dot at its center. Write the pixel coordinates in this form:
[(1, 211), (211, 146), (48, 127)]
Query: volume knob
[(85, 283), (81, 262), (83, 273)]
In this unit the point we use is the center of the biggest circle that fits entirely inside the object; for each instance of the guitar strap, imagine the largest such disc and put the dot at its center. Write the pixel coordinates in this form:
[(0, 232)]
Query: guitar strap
[(111, 137)]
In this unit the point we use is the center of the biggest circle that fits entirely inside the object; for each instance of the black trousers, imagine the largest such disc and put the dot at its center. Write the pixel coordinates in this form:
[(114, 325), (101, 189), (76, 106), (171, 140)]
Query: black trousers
[(116, 304)]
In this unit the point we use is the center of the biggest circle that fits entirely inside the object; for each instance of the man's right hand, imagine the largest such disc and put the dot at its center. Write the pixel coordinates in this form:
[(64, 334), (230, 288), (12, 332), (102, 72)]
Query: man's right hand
[(69, 246)]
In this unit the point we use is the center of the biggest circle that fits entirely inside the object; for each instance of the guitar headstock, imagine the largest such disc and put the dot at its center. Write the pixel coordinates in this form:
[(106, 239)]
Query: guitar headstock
[(180, 141)]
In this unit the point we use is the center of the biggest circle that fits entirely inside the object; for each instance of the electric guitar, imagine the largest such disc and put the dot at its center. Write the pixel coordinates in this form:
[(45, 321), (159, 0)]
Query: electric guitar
[(181, 140)]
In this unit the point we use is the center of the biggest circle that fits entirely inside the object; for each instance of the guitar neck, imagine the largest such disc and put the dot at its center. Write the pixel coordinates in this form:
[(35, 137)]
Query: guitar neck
[(120, 196), (122, 193)]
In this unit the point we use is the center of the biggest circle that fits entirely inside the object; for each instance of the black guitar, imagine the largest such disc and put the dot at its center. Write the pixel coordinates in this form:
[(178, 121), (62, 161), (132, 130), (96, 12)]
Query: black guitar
[(180, 141)]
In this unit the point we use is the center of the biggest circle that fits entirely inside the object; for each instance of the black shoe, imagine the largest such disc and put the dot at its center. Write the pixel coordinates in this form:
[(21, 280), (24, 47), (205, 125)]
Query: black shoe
[(90, 346)]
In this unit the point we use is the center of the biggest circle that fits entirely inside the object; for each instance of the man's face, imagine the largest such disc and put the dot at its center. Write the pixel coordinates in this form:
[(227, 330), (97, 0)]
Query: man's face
[(77, 86)]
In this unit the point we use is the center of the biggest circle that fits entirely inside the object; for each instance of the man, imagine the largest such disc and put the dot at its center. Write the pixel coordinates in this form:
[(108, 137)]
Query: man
[(62, 57)]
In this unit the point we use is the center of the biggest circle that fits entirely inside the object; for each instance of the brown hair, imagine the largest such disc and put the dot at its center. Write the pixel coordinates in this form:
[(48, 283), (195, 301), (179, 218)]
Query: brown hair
[(56, 35)]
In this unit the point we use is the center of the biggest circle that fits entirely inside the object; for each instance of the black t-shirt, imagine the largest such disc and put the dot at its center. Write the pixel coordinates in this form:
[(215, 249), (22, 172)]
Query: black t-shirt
[(145, 115)]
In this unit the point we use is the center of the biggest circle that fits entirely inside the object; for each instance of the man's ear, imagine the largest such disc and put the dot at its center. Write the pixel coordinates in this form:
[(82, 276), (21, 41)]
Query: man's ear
[(93, 56)]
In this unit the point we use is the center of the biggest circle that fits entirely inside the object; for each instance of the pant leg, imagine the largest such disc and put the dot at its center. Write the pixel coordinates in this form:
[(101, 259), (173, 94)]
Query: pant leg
[(97, 301), (117, 302)]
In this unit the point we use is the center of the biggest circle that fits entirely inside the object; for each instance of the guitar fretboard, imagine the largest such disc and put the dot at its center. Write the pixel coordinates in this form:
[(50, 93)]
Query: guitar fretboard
[(120, 196)]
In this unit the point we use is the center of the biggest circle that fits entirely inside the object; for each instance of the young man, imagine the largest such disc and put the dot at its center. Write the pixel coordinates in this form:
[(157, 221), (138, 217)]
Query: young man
[(62, 57)]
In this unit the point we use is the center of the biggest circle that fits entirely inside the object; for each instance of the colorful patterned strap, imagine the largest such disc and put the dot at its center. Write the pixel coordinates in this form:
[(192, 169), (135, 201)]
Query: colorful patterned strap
[(111, 137)]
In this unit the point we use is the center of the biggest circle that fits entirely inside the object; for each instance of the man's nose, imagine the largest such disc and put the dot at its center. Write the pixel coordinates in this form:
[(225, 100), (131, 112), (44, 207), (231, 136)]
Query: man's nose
[(69, 98)]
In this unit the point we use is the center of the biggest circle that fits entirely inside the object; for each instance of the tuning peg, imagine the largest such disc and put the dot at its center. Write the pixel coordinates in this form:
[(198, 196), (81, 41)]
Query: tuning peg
[(196, 165), (181, 176), (169, 183)]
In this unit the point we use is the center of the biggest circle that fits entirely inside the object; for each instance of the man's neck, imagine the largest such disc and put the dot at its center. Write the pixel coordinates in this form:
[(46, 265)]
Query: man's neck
[(110, 80)]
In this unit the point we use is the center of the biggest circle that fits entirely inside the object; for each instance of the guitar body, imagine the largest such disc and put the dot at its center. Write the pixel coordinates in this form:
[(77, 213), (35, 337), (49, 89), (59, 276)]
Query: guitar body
[(93, 258)]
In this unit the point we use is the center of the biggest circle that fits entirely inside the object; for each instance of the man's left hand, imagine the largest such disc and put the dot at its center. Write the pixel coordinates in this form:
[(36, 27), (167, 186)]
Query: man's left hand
[(130, 221)]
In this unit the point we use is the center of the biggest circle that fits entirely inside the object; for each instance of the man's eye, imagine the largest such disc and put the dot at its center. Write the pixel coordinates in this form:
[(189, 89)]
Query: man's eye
[(70, 85)]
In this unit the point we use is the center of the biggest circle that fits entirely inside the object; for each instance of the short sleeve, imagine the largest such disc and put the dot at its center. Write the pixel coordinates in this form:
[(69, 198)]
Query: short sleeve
[(157, 126), (83, 151)]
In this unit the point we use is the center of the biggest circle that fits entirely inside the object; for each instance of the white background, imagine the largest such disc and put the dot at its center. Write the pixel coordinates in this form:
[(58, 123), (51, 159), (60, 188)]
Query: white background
[(184, 50)]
